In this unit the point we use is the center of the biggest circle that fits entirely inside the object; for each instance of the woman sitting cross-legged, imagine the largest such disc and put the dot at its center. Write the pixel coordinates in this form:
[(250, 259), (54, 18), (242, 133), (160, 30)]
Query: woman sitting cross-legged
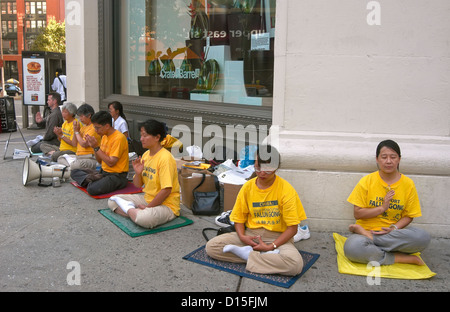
[(157, 172), (266, 215), (385, 203)]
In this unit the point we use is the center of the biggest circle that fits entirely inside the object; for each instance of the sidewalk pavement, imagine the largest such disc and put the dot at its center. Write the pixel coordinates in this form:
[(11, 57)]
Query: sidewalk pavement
[(43, 230)]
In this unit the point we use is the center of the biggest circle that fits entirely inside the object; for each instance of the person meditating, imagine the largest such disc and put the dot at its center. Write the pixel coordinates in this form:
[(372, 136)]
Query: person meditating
[(65, 135), (85, 157), (111, 153), (157, 172), (266, 215), (385, 203)]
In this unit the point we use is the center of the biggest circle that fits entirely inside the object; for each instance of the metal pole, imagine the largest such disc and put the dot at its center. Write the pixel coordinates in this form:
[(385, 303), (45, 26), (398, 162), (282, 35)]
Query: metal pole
[(1, 47)]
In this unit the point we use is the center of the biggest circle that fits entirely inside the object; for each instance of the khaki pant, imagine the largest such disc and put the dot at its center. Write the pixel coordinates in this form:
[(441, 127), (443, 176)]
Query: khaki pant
[(47, 148), (148, 218), (83, 161), (288, 262)]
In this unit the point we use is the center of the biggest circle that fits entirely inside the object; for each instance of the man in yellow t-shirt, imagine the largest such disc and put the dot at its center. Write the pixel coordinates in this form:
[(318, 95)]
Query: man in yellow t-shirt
[(112, 154), (266, 217)]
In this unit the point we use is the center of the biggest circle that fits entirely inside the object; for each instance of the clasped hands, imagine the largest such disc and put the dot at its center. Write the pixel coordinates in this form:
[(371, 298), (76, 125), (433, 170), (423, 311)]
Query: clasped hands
[(256, 243)]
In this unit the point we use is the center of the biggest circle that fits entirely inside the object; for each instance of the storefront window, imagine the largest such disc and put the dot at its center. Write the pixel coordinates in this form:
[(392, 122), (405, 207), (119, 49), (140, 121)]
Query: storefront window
[(202, 50)]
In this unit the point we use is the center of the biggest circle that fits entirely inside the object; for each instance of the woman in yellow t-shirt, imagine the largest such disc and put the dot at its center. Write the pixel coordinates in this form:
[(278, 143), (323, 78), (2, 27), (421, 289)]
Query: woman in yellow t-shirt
[(266, 217), (85, 157), (385, 203), (64, 134), (157, 173)]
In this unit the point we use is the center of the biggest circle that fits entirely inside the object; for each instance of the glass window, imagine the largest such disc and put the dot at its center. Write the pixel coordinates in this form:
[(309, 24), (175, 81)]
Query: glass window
[(217, 51)]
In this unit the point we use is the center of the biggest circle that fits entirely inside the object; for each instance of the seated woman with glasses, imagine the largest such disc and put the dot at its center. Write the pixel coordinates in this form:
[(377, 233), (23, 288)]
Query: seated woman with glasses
[(266, 215)]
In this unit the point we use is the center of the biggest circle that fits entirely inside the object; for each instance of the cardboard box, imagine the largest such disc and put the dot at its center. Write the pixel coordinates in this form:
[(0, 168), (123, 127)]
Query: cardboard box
[(188, 183), (230, 193), (186, 160)]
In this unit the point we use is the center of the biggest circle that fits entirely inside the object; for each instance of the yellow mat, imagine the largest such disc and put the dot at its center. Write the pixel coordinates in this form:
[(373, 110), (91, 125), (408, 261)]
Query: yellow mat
[(398, 270)]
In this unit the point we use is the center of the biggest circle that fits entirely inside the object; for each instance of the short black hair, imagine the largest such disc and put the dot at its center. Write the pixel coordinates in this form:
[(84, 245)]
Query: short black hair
[(154, 127), (56, 96), (102, 118)]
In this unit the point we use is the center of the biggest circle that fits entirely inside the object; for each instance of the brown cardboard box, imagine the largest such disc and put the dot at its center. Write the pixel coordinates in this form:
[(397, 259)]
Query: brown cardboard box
[(186, 159), (230, 192), (188, 183)]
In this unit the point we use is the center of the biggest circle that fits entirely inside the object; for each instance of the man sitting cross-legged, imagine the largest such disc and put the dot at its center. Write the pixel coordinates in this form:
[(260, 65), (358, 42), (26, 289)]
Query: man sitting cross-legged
[(112, 154)]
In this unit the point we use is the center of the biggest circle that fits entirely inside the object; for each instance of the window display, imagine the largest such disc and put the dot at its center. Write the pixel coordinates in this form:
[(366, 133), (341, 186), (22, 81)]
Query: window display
[(202, 50)]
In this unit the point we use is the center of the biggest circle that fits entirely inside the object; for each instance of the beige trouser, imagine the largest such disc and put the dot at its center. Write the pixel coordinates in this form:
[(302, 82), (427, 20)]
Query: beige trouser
[(148, 218), (81, 162), (288, 262)]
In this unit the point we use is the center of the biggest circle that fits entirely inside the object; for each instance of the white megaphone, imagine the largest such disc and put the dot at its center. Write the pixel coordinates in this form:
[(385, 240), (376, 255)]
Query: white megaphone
[(33, 171)]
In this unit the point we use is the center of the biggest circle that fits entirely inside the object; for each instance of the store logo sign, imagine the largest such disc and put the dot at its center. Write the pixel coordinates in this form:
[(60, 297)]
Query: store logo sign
[(180, 74)]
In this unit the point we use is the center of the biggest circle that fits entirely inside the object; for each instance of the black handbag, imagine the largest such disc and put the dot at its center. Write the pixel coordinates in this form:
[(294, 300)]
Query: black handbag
[(220, 231), (206, 203)]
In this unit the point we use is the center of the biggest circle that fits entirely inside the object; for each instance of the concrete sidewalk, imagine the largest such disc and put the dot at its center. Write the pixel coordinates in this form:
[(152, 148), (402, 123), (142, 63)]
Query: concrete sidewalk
[(43, 230)]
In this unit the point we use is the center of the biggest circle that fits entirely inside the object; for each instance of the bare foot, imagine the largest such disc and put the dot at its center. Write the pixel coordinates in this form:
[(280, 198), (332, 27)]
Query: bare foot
[(358, 229), (410, 259)]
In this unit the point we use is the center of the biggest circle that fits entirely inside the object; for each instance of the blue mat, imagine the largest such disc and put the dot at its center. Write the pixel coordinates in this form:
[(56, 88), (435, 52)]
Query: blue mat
[(200, 256)]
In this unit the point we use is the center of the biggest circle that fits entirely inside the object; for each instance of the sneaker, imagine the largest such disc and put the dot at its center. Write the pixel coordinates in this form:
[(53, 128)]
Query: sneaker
[(302, 233), (224, 219)]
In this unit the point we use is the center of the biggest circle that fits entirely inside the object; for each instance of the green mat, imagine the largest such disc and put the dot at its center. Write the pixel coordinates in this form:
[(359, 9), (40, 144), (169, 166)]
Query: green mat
[(134, 230)]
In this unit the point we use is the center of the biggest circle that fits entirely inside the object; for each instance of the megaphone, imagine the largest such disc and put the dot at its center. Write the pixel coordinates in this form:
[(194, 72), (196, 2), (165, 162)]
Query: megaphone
[(33, 171)]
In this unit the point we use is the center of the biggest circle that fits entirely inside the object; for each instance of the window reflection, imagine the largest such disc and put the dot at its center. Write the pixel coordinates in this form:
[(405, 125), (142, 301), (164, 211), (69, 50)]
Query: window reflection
[(215, 51)]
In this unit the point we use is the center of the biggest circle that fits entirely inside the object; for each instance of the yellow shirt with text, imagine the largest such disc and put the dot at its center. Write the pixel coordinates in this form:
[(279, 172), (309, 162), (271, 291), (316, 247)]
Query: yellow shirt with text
[(116, 145), (370, 193), (160, 172), (274, 208), (87, 130), (67, 129)]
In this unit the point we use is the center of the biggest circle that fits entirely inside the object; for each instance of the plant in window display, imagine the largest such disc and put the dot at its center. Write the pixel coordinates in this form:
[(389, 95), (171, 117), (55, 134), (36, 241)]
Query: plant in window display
[(167, 60), (246, 6), (186, 65), (209, 75), (154, 68), (243, 20), (199, 20)]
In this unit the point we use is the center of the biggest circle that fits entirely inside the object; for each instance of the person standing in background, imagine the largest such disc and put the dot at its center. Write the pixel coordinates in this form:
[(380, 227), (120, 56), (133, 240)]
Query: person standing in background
[(60, 84)]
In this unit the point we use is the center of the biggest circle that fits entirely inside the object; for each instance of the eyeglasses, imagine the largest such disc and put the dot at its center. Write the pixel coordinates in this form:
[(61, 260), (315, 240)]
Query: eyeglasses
[(267, 170)]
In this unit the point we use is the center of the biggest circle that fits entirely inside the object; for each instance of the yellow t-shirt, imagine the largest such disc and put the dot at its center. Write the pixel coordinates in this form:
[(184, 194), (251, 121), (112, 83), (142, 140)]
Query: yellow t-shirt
[(274, 208), (370, 193), (160, 172), (116, 145), (67, 129), (87, 130)]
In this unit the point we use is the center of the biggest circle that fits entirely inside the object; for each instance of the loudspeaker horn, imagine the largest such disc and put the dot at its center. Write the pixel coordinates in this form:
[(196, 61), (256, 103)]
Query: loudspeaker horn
[(33, 171)]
